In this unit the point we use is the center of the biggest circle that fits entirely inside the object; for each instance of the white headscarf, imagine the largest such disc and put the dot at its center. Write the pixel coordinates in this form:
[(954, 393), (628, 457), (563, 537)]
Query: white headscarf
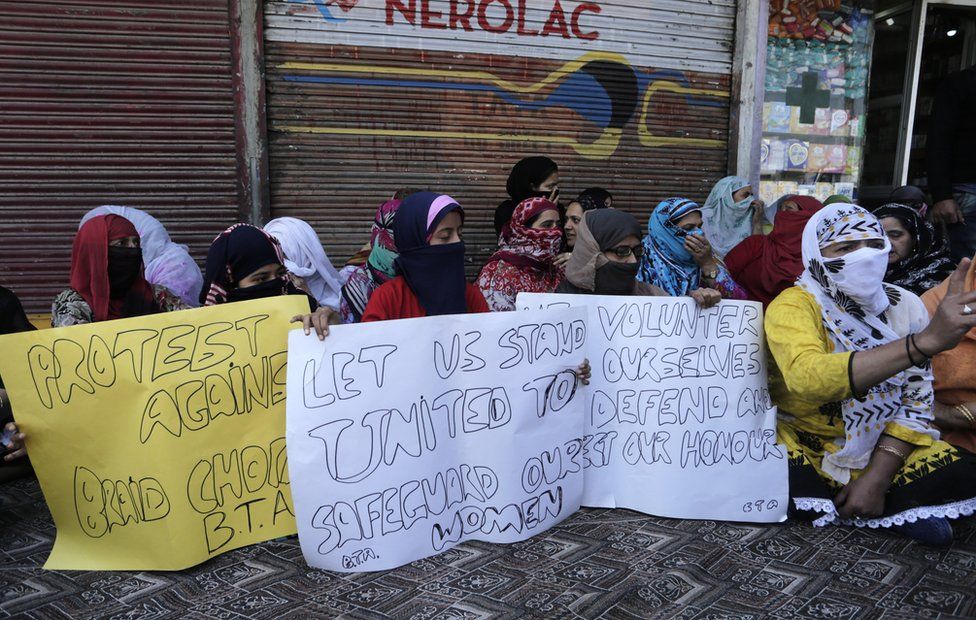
[(861, 312), (725, 222), (167, 264), (305, 258)]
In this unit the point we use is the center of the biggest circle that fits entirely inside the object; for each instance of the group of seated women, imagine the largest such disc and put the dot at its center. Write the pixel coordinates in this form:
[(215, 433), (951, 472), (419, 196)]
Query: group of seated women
[(875, 386)]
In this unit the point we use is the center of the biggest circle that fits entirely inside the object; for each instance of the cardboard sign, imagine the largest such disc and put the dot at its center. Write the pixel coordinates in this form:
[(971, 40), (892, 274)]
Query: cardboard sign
[(158, 440), (408, 437)]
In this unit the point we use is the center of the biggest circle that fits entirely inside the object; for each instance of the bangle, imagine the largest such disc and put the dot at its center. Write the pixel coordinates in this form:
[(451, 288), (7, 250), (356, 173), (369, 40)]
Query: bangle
[(964, 410), (915, 344), (892, 450), (908, 350)]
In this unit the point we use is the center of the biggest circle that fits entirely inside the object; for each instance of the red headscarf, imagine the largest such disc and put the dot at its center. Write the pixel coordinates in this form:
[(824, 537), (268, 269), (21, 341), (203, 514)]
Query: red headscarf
[(768, 265), (89, 266), (523, 246)]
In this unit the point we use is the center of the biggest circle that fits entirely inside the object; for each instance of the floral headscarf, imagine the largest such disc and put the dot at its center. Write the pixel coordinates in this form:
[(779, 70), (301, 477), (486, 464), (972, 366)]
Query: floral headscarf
[(666, 263), (524, 262), (861, 312), (379, 267)]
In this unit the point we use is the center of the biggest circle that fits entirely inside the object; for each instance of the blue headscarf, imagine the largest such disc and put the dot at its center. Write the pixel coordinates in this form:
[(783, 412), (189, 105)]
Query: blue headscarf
[(666, 263), (435, 273), (725, 221)]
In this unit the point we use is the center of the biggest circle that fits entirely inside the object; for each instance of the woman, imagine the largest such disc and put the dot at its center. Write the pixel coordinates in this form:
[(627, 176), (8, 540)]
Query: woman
[(767, 265), (107, 279), (607, 256), (853, 388), (167, 264), (430, 266), (955, 376), (531, 177), (588, 200), (910, 196), (730, 214), (245, 263), (306, 259), (919, 258), (526, 258), (13, 320), (378, 269), (678, 257)]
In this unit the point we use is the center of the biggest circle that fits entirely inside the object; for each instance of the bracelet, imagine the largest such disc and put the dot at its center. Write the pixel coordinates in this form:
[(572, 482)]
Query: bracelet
[(908, 350), (915, 344), (964, 410), (891, 450)]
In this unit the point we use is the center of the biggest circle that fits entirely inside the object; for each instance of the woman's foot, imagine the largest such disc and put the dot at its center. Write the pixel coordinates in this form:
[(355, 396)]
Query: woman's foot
[(934, 531)]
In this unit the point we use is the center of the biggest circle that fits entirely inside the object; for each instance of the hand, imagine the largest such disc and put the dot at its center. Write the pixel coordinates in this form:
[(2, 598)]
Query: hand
[(701, 250), (554, 195), (758, 216), (863, 498), (16, 449), (706, 297), (318, 320), (562, 259), (949, 324), (947, 212), (583, 372)]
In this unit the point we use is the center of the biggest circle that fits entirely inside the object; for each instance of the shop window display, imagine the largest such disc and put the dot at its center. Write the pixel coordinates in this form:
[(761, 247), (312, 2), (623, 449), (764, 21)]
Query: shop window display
[(817, 65)]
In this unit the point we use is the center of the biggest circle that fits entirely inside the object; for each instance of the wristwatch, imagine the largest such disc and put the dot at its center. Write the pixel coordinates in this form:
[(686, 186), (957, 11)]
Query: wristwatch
[(711, 275)]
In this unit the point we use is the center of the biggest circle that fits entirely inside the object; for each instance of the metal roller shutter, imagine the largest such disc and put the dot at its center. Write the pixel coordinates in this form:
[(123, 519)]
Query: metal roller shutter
[(124, 102), (368, 96)]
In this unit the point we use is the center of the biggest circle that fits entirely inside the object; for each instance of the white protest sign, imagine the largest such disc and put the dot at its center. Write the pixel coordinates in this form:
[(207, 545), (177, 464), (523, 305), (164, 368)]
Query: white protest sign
[(680, 404), (407, 437)]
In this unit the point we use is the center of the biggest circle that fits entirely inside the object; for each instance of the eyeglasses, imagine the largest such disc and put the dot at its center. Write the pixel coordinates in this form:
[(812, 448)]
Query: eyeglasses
[(624, 251)]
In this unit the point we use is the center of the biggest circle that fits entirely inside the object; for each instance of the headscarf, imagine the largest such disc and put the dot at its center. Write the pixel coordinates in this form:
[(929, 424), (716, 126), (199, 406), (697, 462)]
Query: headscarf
[(523, 246), (727, 222), (666, 263), (837, 199), (235, 254), (435, 273), (90, 267), (379, 266), (526, 173), (599, 231), (929, 263), (167, 264), (306, 259), (767, 265), (910, 196), (13, 319), (861, 312), (594, 198)]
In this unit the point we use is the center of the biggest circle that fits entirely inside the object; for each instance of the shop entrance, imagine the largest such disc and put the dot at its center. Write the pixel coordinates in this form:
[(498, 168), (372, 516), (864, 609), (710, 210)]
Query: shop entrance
[(916, 45)]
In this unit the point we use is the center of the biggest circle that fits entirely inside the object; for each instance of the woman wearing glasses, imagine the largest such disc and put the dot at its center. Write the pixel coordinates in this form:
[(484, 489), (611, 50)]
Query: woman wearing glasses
[(677, 256), (607, 256)]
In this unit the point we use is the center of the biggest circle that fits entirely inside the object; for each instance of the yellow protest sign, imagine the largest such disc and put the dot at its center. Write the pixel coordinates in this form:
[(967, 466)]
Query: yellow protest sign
[(158, 440)]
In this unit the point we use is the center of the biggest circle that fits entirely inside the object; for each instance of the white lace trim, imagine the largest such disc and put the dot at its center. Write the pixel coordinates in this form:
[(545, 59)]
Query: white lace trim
[(954, 510)]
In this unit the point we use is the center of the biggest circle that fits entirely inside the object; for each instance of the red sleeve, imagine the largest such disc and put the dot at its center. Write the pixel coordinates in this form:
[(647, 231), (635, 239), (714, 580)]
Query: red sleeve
[(381, 303), (741, 256), (475, 300)]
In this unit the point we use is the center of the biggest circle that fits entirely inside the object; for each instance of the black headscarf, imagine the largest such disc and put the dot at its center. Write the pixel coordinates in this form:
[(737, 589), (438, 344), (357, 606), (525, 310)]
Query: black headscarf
[(526, 173), (594, 198), (435, 273), (910, 196), (235, 254), (13, 320), (929, 263)]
